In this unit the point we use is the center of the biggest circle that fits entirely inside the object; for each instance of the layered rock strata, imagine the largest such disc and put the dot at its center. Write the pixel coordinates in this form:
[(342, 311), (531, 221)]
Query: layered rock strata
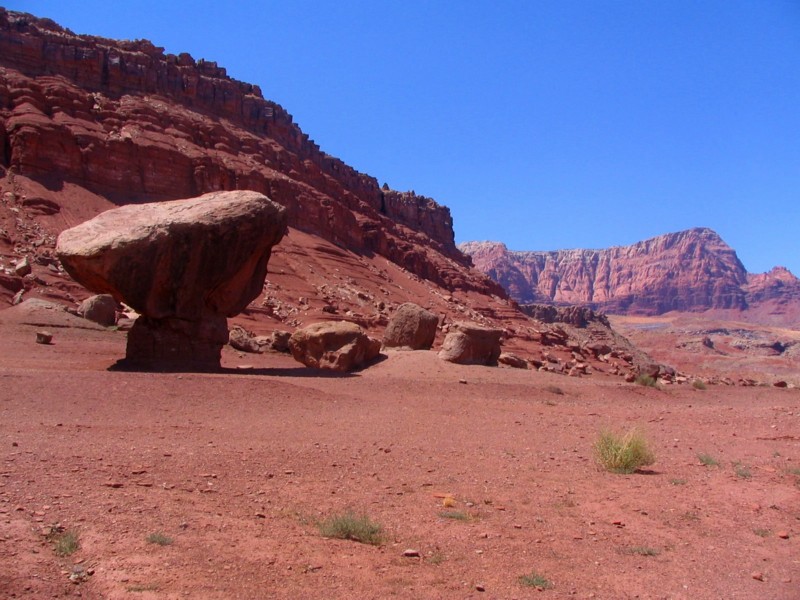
[(124, 120), (685, 271)]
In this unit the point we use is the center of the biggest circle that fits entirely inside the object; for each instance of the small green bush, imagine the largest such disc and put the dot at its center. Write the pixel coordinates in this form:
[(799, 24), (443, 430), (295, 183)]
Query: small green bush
[(642, 551), (456, 515), (707, 460), (535, 580), (66, 542), (623, 454), (349, 526), (762, 532), (159, 538), (699, 385), (647, 381), (742, 471)]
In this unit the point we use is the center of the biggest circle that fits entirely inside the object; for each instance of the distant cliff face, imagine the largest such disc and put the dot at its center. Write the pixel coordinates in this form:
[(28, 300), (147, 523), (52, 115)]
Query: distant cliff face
[(125, 121), (687, 271)]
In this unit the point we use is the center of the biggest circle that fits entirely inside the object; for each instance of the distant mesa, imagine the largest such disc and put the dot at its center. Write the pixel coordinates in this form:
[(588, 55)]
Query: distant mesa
[(693, 270)]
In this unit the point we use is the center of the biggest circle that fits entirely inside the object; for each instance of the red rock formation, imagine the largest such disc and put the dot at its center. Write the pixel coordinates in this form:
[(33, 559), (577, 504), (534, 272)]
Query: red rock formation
[(130, 123), (687, 271)]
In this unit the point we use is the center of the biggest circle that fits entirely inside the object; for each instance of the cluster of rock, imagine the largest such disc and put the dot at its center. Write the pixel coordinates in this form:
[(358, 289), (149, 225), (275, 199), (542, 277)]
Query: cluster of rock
[(577, 316)]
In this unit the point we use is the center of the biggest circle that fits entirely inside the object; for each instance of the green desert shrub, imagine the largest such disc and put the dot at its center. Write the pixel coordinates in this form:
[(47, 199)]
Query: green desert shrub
[(707, 460), (536, 581), (623, 453), (65, 543), (349, 526), (159, 538), (647, 381)]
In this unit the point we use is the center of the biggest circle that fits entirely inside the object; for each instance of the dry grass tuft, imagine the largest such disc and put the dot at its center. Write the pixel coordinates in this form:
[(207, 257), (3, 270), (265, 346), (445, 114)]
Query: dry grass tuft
[(623, 453), (349, 526)]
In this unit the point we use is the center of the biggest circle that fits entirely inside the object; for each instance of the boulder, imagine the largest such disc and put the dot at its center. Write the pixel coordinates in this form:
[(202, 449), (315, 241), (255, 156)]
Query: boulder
[(512, 360), (102, 309), (184, 266), (243, 340), (279, 342), (23, 267), (411, 327), (470, 344), (338, 346)]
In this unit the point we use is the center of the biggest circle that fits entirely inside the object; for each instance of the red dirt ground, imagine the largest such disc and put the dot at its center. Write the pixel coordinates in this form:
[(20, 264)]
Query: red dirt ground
[(237, 467)]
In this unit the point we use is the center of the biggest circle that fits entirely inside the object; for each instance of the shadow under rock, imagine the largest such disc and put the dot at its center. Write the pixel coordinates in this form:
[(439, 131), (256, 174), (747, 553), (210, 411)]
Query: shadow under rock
[(126, 366)]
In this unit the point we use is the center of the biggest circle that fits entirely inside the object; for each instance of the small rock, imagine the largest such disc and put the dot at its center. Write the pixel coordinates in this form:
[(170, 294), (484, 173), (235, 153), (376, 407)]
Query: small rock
[(784, 535), (780, 384), (44, 337), (411, 553), (22, 267), (757, 575), (480, 588)]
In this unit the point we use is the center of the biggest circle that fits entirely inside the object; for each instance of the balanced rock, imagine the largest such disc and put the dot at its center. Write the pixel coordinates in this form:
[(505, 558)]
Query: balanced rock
[(184, 266), (102, 309), (411, 327), (337, 346), (470, 344)]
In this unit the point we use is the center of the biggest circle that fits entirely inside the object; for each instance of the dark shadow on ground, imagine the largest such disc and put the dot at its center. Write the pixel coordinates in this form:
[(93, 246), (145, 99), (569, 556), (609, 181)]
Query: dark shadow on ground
[(299, 371)]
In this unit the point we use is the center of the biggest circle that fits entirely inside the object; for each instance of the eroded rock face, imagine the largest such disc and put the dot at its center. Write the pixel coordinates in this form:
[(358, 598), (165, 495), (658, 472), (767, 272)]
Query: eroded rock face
[(411, 327), (127, 121), (470, 344), (184, 265), (689, 270), (337, 346)]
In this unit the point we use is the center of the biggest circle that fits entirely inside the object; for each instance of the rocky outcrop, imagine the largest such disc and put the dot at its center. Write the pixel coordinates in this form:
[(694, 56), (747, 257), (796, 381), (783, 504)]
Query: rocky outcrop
[(470, 344), (411, 327), (577, 316), (124, 120), (184, 266), (686, 271), (778, 285), (336, 346)]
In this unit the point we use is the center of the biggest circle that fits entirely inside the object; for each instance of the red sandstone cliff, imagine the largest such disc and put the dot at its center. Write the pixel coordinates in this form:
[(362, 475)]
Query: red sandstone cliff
[(129, 123), (691, 270)]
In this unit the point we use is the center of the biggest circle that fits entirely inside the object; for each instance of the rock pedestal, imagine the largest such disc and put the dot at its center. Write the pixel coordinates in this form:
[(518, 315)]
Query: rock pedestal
[(184, 266)]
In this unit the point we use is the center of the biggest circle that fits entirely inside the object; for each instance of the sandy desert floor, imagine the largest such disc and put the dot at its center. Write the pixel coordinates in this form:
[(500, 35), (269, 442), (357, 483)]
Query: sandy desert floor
[(238, 467)]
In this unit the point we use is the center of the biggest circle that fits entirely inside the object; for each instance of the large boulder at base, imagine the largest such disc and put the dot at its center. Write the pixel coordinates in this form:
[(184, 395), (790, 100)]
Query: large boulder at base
[(470, 344), (184, 266), (411, 327), (338, 346), (101, 309)]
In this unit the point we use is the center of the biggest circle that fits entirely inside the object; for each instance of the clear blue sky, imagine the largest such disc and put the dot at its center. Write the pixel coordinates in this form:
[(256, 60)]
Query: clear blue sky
[(542, 124)]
